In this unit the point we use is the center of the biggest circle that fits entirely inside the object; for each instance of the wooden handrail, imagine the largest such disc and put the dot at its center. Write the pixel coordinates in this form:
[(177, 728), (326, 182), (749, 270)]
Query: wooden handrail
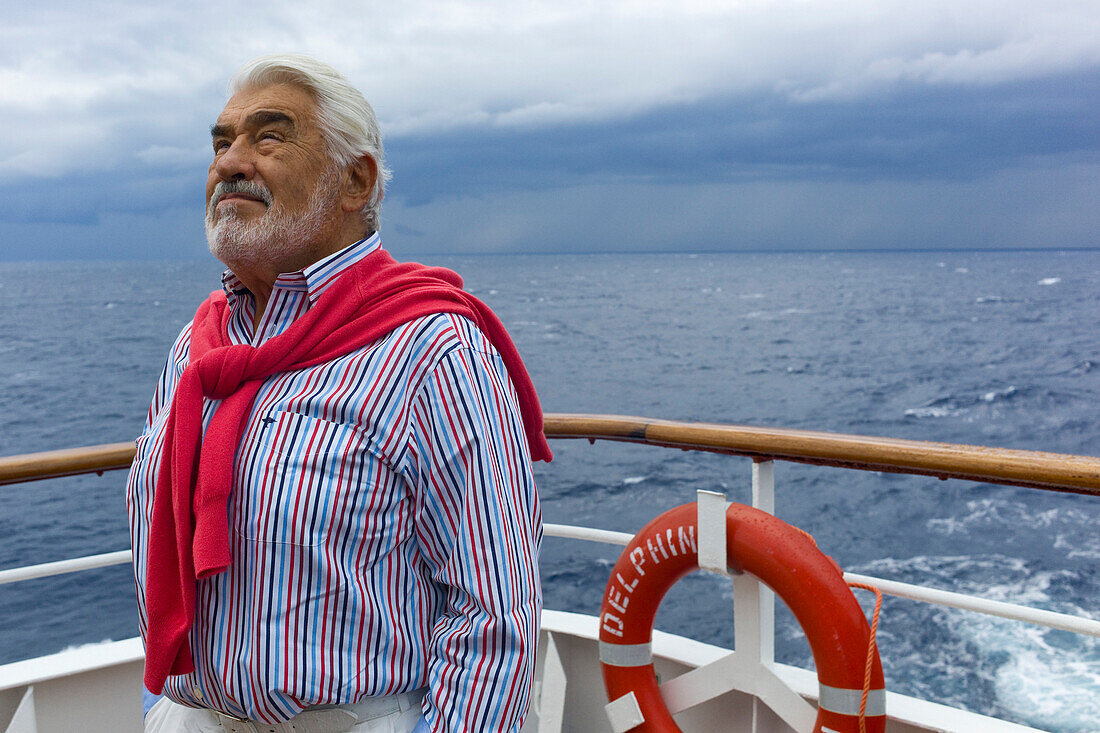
[(67, 462), (1054, 471)]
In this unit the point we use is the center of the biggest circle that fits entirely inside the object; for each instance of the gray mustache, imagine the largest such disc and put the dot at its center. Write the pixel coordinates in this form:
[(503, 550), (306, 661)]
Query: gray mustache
[(246, 187)]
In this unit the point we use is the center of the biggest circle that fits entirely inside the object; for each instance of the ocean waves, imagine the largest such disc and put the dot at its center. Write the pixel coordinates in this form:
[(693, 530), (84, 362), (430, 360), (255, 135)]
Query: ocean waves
[(961, 404), (1043, 677)]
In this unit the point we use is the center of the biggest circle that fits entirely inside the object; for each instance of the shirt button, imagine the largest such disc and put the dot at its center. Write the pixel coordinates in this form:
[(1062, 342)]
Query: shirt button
[(198, 693)]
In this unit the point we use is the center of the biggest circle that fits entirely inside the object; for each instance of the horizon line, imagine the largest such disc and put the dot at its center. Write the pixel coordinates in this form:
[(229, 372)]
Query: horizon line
[(587, 253)]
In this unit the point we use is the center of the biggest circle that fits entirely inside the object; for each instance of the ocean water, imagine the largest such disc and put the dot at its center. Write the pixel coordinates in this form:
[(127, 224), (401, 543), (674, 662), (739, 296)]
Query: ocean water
[(990, 348)]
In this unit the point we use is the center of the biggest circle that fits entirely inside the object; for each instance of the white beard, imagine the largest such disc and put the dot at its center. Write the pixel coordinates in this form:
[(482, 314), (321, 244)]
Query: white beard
[(277, 236)]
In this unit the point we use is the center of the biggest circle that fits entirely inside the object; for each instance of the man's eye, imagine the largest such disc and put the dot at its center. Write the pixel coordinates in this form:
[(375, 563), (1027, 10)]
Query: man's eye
[(220, 145), (270, 136)]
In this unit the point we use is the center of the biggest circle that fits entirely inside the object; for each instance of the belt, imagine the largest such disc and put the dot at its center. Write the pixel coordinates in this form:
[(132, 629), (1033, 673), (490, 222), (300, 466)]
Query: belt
[(328, 718)]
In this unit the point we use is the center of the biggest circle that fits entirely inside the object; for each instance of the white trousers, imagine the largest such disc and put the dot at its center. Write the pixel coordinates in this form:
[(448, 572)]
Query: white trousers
[(395, 714)]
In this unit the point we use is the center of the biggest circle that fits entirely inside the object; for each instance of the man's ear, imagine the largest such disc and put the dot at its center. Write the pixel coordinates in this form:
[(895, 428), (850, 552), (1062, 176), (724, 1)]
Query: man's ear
[(359, 183)]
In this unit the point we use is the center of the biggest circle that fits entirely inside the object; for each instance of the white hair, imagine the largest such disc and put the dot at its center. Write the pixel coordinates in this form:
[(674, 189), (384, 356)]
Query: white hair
[(347, 120)]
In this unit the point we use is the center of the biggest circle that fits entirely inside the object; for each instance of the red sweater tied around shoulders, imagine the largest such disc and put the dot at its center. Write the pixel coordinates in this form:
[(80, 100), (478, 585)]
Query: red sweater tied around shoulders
[(189, 535)]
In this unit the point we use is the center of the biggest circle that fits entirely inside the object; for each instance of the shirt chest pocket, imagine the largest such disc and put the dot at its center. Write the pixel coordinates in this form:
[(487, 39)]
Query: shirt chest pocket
[(301, 479)]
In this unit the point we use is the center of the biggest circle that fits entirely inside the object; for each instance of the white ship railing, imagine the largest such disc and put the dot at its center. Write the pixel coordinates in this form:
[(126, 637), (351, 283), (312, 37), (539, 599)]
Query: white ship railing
[(750, 666), (1036, 616)]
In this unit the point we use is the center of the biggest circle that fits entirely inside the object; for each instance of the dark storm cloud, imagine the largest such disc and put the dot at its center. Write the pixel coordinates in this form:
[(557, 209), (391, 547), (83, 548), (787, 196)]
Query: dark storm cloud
[(1012, 163), (87, 199), (915, 133), (911, 133)]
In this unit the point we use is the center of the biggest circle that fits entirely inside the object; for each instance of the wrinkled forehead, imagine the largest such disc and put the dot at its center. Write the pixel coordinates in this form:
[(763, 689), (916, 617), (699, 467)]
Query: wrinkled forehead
[(289, 104)]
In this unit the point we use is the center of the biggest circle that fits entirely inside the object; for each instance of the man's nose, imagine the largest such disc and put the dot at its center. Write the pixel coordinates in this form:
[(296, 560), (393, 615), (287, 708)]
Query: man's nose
[(236, 162)]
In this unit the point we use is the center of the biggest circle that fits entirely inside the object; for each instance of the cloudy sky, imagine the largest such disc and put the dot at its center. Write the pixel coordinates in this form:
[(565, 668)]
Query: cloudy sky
[(580, 125)]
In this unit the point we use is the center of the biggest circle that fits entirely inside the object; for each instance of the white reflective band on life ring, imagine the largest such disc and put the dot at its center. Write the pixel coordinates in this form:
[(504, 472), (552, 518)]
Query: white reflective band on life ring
[(846, 702), (626, 655)]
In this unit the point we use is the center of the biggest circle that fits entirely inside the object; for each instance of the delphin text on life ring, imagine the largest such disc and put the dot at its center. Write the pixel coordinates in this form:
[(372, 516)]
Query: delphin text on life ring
[(780, 555)]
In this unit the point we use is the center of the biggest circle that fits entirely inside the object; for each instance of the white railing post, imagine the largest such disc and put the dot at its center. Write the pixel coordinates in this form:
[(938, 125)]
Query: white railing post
[(763, 486), (753, 602)]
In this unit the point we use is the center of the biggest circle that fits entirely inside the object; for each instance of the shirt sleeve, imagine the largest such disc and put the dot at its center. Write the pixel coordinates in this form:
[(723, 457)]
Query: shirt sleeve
[(479, 527), (141, 480)]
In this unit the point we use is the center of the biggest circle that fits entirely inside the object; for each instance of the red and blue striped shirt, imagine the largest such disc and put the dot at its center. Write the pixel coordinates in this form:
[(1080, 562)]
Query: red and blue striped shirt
[(385, 526)]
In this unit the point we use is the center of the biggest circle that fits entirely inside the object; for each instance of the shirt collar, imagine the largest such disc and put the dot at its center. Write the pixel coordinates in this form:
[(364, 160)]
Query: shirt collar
[(315, 278)]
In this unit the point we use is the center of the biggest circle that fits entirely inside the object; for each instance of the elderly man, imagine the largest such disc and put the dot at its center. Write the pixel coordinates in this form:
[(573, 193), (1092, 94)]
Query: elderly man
[(332, 511)]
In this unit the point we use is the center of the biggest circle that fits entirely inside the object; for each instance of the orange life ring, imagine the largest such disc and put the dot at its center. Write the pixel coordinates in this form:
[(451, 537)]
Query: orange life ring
[(783, 557)]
